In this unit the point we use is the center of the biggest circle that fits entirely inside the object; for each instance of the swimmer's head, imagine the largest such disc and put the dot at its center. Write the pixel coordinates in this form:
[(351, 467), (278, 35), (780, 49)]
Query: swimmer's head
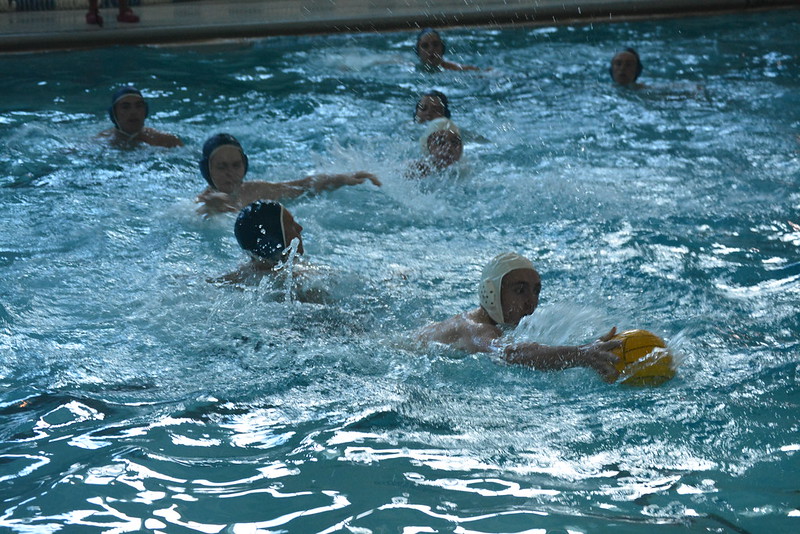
[(128, 109), (441, 124), (625, 66), (430, 48), (442, 142), (212, 147), (265, 228), (509, 288), (431, 106)]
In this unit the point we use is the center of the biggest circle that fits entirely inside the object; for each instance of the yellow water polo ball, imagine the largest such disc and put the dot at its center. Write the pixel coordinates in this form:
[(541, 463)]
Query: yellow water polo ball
[(644, 358)]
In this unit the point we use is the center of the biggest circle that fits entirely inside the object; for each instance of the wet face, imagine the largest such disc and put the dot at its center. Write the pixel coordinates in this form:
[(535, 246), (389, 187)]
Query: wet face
[(429, 108), (445, 147), (430, 49), (623, 68), (519, 294), (291, 230), (130, 112), (226, 168)]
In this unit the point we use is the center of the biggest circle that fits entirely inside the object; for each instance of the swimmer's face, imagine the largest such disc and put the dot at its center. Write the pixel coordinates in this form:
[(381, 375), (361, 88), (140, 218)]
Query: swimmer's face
[(624, 67), (130, 112), (519, 294), (430, 49), (227, 168), (292, 229), (429, 108), (445, 147)]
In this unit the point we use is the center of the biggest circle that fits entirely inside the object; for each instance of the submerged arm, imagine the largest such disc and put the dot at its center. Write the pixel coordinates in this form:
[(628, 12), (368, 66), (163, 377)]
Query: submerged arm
[(596, 355)]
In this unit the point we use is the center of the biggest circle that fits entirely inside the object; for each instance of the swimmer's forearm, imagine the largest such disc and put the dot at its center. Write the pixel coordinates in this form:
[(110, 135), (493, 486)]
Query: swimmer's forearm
[(543, 357), (329, 182), (316, 183)]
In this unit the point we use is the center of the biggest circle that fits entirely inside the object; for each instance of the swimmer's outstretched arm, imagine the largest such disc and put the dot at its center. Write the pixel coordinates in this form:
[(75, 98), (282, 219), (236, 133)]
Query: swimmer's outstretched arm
[(449, 65), (595, 355), (328, 182), (317, 183), (463, 333)]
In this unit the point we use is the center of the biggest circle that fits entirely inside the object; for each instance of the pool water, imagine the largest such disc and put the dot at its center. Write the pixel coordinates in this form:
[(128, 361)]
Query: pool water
[(137, 397)]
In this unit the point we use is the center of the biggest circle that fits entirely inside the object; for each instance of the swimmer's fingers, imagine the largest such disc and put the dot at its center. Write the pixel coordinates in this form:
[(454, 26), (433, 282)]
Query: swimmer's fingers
[(363, 175), (610, 334), (608, 372), (604, 363), (607, 345)]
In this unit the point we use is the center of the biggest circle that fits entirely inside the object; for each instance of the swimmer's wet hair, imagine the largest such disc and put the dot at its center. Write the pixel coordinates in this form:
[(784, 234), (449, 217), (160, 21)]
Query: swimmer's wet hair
[(259, 229), (436, 94), (425, 32), (639, 66), (118, 95), (210, 146)]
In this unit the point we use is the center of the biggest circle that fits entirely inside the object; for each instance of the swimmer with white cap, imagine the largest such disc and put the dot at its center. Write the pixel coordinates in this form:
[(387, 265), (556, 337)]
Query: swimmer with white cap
[(508, 291), (128, 112), (224, 165), (442, 145)]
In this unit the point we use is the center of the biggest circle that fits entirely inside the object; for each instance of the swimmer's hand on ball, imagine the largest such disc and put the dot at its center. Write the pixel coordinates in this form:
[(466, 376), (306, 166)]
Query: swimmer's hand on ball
[(599, 357), (611, 334), (596, 355)]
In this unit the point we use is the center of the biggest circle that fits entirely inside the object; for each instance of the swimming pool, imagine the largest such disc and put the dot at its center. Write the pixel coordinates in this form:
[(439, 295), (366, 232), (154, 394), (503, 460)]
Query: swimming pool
[(138, 397)]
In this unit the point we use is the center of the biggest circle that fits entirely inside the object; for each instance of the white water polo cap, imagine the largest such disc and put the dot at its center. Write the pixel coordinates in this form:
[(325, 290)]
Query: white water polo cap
[(437, 125), (492, 281)]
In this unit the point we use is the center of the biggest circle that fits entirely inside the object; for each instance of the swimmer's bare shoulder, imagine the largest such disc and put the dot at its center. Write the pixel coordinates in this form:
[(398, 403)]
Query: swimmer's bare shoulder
[(450, 65), (147, 135), (155, 138), (469, 331)]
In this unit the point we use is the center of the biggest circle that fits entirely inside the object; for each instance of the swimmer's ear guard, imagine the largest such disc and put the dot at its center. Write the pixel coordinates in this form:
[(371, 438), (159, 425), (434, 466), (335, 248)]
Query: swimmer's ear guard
[(118, 95), (259, 229), (490, 287), (213, 143), (425, 32), (639, 66)]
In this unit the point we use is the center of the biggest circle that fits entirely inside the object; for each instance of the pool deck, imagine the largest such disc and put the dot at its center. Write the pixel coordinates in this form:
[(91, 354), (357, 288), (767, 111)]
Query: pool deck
[(165, 22)]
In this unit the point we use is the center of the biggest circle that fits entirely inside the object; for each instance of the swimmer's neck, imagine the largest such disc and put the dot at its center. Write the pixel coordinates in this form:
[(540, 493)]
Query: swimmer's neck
[(480, 315), (129, 137)]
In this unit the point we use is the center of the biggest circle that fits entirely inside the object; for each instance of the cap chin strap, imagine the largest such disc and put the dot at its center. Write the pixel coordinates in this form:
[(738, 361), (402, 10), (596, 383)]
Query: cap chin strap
[(130, 137)]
